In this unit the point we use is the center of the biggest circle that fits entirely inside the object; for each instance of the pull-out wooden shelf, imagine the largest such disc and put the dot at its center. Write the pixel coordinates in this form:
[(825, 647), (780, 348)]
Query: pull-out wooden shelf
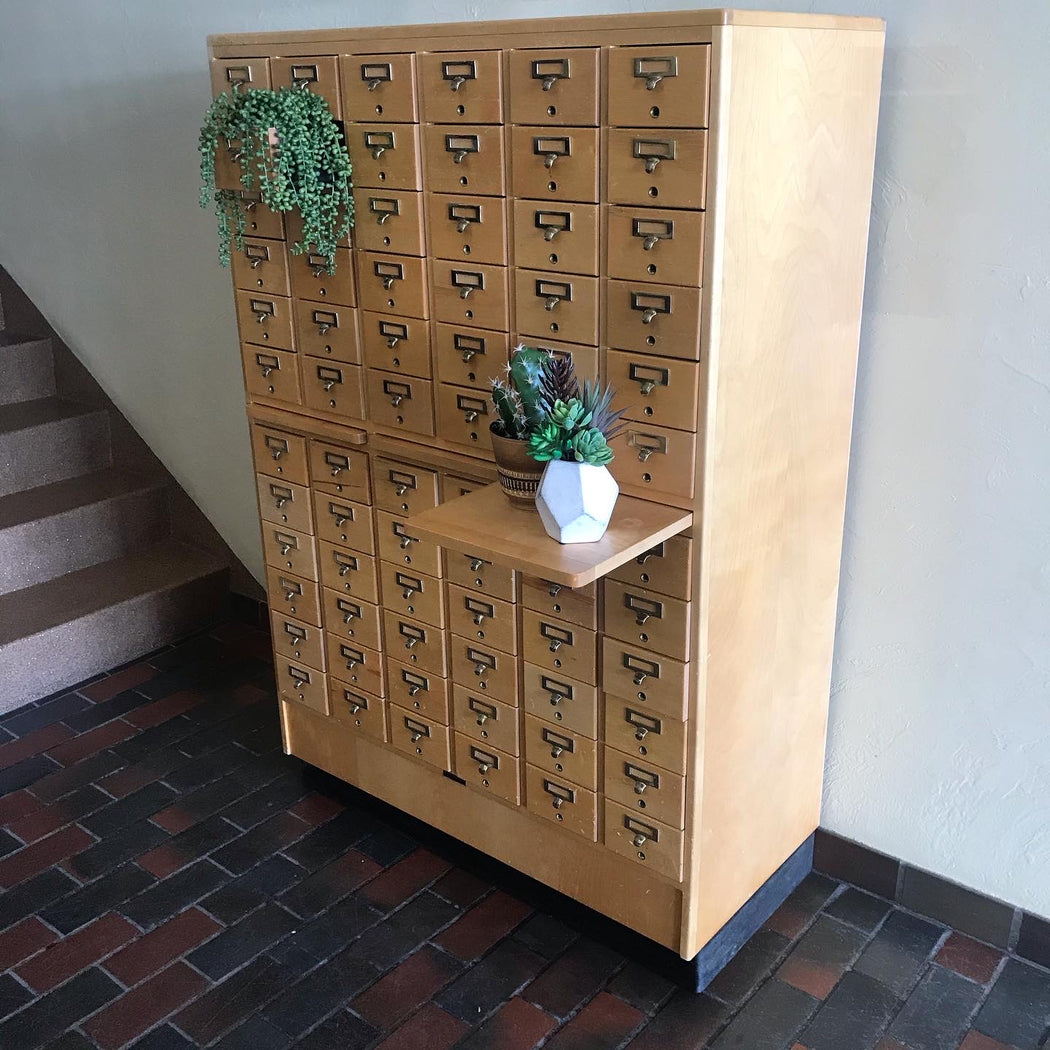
[(486, 523)]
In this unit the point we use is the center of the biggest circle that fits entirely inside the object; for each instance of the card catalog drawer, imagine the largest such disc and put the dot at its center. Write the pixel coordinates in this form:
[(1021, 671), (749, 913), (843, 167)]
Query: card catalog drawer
[(555, 164), (647, 618), (561, 700), (558, 306), (461, 87), (380, 87), (484, 669), (352, 619), (464, 416), (562, 752), (297, 640), (311, 279), (260, 266), (561, 238), (279, 454), (358, 709), (555, 599), (413, 593), (385, 156), (333, 386), (404, 488), (667, 568), (556, 86), (393, 284), (485, 719), (666, 168), (420, 737), (396, 344), (654, 319), (477, 574), (298, 683), (561, 647), (661, 390), (259, 220), (271, 373), (415, 643), (645, 734), (643, 839), (348, 572), (399, 546), (562, 802), (650, 245), (327, 330), (645, 788), (355, 664), (465, 159), (487, 768), (401, 402), (469, 356), (663, 85), (288, 550), (655, 460), (389, 221), (265, 319), (483, 619), (464, 227), (293, 596), (340, 471), (316, 74), (648, 680), (232, 74), (421, 691), (344, 522), (284, 503), (469, 293)]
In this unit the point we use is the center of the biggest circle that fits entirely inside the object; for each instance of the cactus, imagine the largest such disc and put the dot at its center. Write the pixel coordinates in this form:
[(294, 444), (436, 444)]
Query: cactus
[(526, 374), (511, 419)]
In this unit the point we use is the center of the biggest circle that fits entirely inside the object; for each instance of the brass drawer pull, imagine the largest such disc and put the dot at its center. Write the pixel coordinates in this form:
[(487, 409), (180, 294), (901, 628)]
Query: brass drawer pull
[(642, 669), (404, 540), (285, 542), (268, 363), (418, 730), (471, 407), (558, 690), (549, 71), (643, 608), (463, 215), (653, 70), (251, 200), (318, 265), (376, 73), (416, 683), (479, 609), (353, 657), (294, 631), (238, 75), (485, 759), (340, 513), (458, 73), (277, 446), (384, 208), (552, 223), (257, 254), (281, 495), (393, 333), (337, 463), (652, 231), (643, 778), (643, 724), (263, 310), (650, 305), (482, 710), (467, 281), (469, 346), (350, 610), (641, 832), (559, 743), (553, 589), (652, 552), (475, 563), (356, 701), (557, 636), (647, 444), (291, 589), (304, 75), (402, 482), (388, 272), (553, 292), (347, 562), (329, 377), (324, 319), (560, 794), (413, 635), (550, 148), (648, 378), (299, 676), (483, 662), (653, 151), (409, 585), (461, 146), (378, 142), (397, 392)]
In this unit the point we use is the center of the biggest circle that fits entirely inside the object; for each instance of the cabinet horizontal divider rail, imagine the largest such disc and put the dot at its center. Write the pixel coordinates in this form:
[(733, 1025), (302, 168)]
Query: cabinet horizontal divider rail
[(680, 203)]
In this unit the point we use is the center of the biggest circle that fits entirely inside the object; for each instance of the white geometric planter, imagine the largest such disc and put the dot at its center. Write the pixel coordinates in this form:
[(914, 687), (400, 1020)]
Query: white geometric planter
[(576, 501)]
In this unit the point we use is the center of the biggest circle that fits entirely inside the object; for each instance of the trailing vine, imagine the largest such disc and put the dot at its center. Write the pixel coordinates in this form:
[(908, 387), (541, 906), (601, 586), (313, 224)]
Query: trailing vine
[(292, 152)]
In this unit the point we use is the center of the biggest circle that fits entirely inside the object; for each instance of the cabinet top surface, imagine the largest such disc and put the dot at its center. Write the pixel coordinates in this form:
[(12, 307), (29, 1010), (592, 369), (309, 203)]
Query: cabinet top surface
[(638, 23)]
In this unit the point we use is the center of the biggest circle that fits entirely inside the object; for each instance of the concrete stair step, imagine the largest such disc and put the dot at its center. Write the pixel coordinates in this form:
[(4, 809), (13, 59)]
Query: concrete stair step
[(57, 633), (50, 439), (69, 525), (27, 368)]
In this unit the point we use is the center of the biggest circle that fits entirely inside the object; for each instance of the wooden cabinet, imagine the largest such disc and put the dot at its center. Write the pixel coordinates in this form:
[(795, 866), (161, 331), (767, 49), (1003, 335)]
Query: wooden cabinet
[(679, 202)]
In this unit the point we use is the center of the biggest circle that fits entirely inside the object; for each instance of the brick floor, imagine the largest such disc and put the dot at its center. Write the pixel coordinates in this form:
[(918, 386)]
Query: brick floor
[(170, 879)]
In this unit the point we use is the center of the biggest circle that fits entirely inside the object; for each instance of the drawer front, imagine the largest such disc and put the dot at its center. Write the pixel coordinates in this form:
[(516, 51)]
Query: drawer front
[(561, 700), (279, 454), (487, 768), (660, 85), (562, 802), (466, 159), (261, 266), (327, 330), (348, 572), (284, 503), (477, 574), (485, 719), (554, 599), (660, 390), (464, 415), (483, 619), (665, 168), (351, 619), (469, 293), (389, 221), (645, 788), (399, 546), (401, 402), (557, 306), (413, 593), (464, 227), (561, 647), (404, 488), (259, 220), (461, 87), (393, 284), (288, 550), (420, 737), (341, 471), (297, 640), (555, 164), (298, 683), (485, 670), (647, 618), (293, 596), (645, 735), (360, 710), (355, 664), (265, 319), (344, 522), (416, 689), (562, 752), (655, 460), (454, 485), (650, 245), (557, 86), (396, 344), (385, 156), (317, 74), (561, 238), (333, 386), (271, 373), (311, 279), (380, 87), (644, 839), (667, 568), (415, 643), (231, 74), (227, 168), (648, 680), (654, 319), (297, 231), (469, 356)]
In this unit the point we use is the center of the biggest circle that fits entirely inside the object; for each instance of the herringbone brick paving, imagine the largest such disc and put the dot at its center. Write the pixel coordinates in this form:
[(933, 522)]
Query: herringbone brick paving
[(171, 880)]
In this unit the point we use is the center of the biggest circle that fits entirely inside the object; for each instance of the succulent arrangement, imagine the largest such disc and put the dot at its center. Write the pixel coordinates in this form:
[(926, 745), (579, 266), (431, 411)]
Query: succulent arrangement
[(543, 403), (291, 150)]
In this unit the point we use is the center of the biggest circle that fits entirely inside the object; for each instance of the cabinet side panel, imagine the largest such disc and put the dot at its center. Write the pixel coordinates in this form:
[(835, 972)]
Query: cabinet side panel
[(799, 138)]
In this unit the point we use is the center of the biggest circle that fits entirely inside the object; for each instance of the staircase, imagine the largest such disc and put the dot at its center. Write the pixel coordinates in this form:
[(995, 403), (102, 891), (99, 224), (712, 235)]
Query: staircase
[(90, 574)]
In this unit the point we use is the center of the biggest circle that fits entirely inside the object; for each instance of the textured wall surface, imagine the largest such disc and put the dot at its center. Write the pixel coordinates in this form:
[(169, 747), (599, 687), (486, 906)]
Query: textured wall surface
[(939, 745)]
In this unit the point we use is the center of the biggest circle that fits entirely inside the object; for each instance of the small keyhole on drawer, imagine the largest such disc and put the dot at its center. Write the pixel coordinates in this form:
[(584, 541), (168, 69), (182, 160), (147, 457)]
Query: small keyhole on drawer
[(399, 420), (647, 477), (481, 634), (654, 112), (390, 302), (641, 694), (470, 313), (554, 326), (466, 249), (322, 292), (486, 783), (408, 557), (259, 282), (288, 563), (472, 376), (382, 176), (641, 855), (553, 257), (255, 225), (298, 654), (642, 636), (643, 750), (552, 186), (557, 662), (386, 240), (559, 767), (478, 582), (461, 110), (651, 268), (650, 340), (473, 435), (559, 816), (331, 403), (484, 734), (641, 803), (648, 410), (419, 751), (552, 111), (557, 716), (379, 111), (266, 335), (327, 349), (357, 721), (397, 362), (462, 180), (270, 389), (654, 191), (404, 506)]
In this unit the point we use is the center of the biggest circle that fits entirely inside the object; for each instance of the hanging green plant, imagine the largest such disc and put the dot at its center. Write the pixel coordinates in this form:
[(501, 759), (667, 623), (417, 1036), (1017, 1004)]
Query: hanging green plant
[(289, 149)]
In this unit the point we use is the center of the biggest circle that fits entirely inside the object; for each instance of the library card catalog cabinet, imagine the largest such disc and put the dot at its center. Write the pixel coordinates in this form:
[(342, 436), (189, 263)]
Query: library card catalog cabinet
[(679, 201)]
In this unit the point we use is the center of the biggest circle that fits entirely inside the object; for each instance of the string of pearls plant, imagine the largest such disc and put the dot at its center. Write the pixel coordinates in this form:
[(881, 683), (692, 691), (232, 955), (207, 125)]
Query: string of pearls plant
[(291, 151)]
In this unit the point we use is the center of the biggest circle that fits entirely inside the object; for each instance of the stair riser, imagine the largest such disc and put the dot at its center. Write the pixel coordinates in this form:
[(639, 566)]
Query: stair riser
[(60, 657), (27, 372), (41, 550), (65, 448)]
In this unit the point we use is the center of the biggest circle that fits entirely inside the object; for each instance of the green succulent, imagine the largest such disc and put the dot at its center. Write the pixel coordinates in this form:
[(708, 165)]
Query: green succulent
[(590, 446), (547, 443), (570, 415)]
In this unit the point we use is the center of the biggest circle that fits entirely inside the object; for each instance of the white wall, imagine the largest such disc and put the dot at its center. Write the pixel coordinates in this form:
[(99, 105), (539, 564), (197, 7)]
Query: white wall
[(939, 747)]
